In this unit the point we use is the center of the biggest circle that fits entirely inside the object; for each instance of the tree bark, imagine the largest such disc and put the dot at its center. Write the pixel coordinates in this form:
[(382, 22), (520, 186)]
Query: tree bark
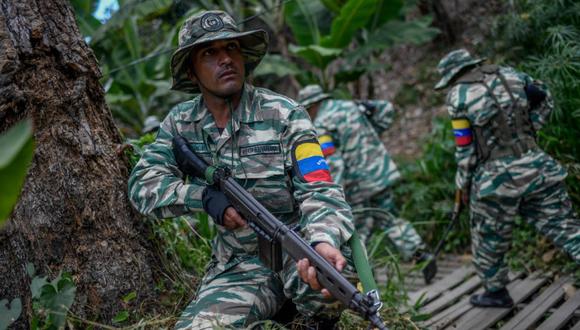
[(442, 19), (73, 214)]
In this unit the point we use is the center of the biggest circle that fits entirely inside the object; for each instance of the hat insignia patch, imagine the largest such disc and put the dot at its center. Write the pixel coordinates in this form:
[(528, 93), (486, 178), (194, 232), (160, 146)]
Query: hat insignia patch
[(211, 22)]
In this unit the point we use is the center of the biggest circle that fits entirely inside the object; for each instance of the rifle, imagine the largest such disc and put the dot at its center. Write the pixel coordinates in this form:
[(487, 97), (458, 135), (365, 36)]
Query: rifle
[(271, 230), (457, 207)]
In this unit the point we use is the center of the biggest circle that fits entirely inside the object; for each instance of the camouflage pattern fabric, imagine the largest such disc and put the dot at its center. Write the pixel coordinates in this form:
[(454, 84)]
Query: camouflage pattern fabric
[(361, 163), (379, 112), (311, 94), (380, 213), (450, 66), (502, 188), (257, 146), (246, 292), (208, 26)]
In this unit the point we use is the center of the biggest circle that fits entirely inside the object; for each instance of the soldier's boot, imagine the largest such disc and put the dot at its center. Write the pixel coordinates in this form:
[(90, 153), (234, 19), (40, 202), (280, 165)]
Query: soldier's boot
[(499, 298), (430, 268)]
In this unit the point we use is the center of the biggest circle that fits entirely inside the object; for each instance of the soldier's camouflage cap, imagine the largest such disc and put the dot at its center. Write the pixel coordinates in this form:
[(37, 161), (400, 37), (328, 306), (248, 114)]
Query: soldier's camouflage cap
[(452, 63), (210, 26), (311, 94)]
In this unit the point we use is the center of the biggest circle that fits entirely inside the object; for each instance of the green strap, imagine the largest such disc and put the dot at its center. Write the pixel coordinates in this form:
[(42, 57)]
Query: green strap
[(209, 174), (361, 264)]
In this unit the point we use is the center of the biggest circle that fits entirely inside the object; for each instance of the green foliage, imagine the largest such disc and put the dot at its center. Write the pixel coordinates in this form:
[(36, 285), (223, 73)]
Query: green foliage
[(316, 55), (308, 21), (531, 251), (16, 151), (9, 312), (396, 32), (134, 48), (353, 16), (137, 146), (186, 240), (84, 10), (275, 65), (427, 190), (51, 300), (371, 25), (543, 38)]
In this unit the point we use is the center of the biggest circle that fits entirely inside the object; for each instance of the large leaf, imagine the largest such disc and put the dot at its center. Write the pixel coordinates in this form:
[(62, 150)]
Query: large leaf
[(9, 312), (16, 151), (353, 16), (396, 32), (316, 55), (334, 5), (385, 11), (57, 297), (307, 19), (275, 65)]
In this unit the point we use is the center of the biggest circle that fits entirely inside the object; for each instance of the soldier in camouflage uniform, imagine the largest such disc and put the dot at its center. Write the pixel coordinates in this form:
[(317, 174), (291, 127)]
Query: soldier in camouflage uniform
[(349, 133), (269, 143), (502, 173)]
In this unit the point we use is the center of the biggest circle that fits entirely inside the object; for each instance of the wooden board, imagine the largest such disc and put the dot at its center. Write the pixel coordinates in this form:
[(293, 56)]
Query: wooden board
[(562, 315), (450, 314), (432, 291), (576, 327), (483, 318), (453, 295), (534, 311)]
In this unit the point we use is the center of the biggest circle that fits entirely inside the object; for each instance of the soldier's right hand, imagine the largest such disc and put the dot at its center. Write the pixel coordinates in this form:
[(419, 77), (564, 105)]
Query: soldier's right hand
[(217, 205), (233, 220)]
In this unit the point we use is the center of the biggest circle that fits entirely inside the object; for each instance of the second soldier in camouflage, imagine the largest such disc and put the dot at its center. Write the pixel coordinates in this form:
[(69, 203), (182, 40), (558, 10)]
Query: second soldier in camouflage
[(502, 173), (349, 134)]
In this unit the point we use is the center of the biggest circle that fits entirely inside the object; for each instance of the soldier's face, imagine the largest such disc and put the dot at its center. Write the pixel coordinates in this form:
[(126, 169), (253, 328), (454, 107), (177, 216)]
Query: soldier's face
[(219, 67)]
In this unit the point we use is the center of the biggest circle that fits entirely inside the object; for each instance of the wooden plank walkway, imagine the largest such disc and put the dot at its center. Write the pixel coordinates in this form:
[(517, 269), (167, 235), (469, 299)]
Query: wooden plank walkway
[(542, 301)]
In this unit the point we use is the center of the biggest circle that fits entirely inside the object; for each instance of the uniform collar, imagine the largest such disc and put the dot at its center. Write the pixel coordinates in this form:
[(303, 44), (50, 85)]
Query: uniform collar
[(248, 111)]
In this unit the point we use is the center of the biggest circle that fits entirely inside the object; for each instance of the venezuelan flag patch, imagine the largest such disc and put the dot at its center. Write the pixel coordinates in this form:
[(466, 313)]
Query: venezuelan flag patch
[(327, 145), (309, 162), (462, 132)]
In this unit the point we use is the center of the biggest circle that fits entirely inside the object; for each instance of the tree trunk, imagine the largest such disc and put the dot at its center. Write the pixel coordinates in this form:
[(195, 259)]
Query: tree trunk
[(73, 214), (442, 19)]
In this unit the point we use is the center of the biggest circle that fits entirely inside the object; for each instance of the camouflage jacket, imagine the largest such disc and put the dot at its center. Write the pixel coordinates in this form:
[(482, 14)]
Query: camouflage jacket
[(356, 155), (471, 107), (261, 152)]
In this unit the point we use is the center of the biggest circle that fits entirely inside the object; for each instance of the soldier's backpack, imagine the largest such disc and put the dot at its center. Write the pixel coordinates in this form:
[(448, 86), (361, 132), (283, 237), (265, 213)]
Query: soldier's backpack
[(515, 137), (380, 113)]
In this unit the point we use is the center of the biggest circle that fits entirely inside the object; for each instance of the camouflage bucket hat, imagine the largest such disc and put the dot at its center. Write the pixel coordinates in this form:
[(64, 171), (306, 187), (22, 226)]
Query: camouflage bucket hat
[(452, 63), (311, 94), (209, 26)]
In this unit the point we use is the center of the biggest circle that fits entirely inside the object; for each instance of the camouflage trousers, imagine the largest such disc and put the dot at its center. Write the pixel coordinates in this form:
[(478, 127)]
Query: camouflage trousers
[(244, 293), (380, 213), (547, 208)]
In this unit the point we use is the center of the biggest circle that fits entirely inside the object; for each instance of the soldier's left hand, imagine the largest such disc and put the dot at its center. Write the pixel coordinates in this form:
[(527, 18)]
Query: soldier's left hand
[(308, 273)]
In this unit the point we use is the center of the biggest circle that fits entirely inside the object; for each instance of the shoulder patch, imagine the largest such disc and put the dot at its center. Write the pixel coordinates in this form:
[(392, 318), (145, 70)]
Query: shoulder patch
[(327, 145), (462, 131), (309, 163)]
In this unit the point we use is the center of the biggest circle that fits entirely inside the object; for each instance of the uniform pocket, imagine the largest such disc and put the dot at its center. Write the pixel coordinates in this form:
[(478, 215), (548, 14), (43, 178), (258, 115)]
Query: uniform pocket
[(263, 174)]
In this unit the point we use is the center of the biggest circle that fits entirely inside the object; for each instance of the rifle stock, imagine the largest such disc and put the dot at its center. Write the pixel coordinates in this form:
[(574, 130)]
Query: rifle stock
[(268, 227)]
